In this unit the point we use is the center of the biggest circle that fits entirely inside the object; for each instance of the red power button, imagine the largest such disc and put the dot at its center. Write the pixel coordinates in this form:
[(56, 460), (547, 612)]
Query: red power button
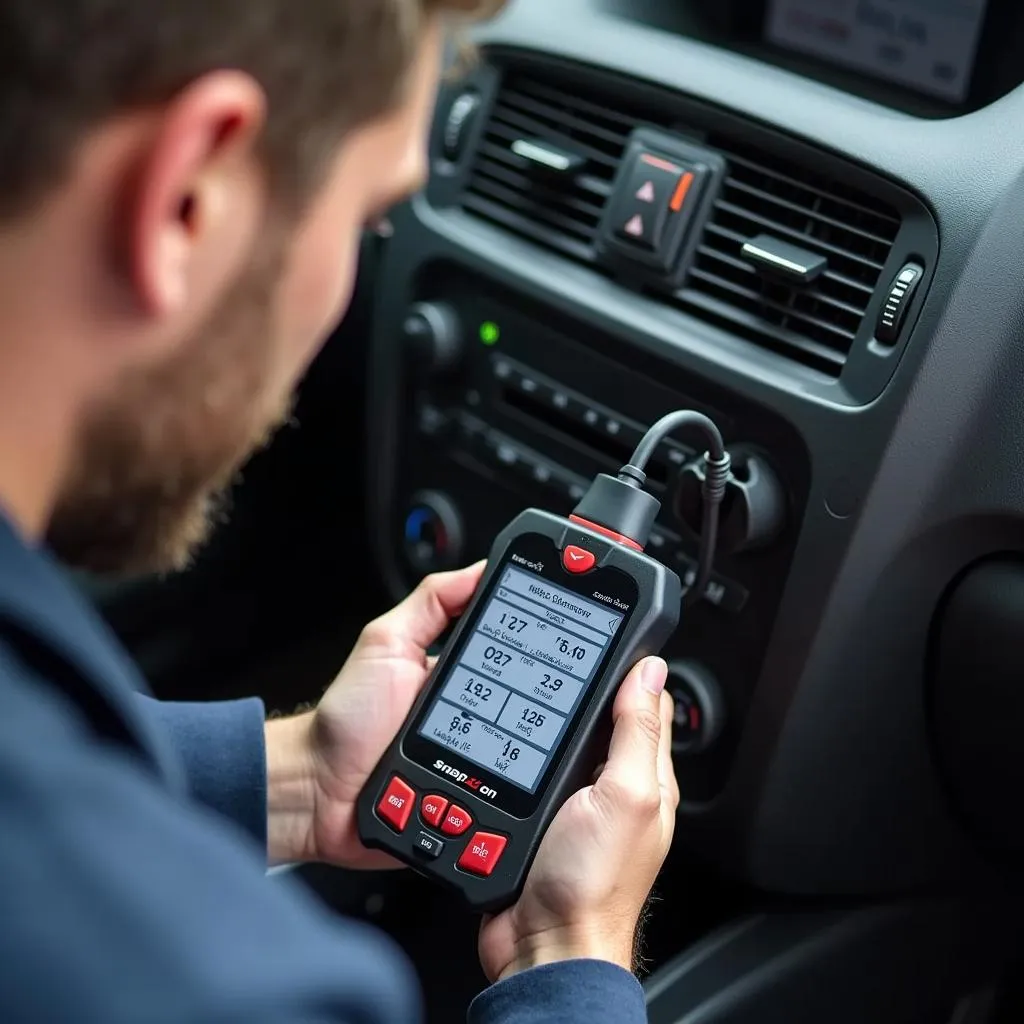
[(577, 559)]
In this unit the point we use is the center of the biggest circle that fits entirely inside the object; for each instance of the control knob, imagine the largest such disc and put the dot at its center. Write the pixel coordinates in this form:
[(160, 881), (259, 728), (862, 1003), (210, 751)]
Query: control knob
[(432, 533), (433, 336), (699, 710), (753, 511)]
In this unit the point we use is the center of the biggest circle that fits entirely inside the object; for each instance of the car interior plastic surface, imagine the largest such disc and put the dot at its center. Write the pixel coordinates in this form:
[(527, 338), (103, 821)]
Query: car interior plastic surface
[(837, 296)]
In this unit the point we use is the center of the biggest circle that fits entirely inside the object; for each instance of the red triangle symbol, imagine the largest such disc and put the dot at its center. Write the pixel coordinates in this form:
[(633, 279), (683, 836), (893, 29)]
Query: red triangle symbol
[(635, 227), (646, 193)]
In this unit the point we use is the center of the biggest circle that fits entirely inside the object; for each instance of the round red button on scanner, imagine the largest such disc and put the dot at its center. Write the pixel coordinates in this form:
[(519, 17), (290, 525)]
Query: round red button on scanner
[(482, 853), (577, 559), (432, 809), (457, 821), (396, 804)]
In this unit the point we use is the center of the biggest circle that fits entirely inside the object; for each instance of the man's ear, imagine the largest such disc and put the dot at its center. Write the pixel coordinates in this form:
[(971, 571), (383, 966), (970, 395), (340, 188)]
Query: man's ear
[(200, 197)]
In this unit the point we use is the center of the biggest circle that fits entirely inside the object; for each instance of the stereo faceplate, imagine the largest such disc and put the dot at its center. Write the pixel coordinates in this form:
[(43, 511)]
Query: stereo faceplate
[(530, 411)]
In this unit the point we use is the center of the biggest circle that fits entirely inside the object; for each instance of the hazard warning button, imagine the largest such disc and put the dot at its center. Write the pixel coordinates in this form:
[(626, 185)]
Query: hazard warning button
[(658, 202), (647, 199)]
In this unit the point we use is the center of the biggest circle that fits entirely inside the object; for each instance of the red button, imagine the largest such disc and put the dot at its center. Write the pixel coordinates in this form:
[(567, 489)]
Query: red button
[(577, 559), (457, 821), (432, 809), (396, 804), (482, 853)]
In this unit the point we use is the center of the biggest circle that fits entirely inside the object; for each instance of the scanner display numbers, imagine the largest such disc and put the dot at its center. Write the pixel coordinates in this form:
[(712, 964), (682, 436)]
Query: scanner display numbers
[(518, 677)]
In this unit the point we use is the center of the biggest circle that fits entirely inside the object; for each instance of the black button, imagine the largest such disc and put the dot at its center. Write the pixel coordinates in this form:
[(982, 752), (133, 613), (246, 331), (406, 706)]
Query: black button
[(622, 430), (472, 435), (502, 369), (499, 451), (675, 454), (534, 469), (528, 384), (428, 846), (577, 490), (562, 401), (432, 421)]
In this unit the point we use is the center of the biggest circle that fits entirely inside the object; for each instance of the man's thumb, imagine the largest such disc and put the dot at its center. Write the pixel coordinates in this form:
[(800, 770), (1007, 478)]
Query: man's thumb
[(633, 753)]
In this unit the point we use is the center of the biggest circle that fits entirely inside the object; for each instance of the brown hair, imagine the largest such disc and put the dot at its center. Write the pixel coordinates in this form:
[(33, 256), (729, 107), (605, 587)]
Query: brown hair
[(326, 66)]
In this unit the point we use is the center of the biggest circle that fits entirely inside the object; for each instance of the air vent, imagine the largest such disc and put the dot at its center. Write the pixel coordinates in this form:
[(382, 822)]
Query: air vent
[(561, 212), (814, 324)]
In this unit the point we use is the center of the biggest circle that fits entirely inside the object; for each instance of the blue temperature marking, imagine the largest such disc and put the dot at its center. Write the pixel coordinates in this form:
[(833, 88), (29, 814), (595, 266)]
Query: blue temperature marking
[(414, 524)]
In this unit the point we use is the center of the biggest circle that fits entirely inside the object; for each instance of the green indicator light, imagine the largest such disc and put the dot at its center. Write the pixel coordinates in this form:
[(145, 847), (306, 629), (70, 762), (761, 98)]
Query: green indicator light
[(490, 332)]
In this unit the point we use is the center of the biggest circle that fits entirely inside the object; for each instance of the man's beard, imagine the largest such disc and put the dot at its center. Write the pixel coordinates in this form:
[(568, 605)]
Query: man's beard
[(155, 459)]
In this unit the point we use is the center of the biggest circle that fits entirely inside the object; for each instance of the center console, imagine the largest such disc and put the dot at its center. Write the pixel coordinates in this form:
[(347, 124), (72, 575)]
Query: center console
[(620, 223), (510, 405), (625, 218)]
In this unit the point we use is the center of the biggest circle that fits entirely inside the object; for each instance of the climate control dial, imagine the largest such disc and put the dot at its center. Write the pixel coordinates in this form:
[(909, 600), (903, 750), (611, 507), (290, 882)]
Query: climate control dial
[(433, 336), (432, 532), (700, 707)]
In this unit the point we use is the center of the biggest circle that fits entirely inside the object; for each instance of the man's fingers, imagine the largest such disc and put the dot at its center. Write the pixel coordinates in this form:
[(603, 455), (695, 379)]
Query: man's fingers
[(424, 615), (630, 781)]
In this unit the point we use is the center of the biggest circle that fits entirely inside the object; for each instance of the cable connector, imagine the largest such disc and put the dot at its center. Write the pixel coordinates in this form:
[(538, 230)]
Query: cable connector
[(716, 477)]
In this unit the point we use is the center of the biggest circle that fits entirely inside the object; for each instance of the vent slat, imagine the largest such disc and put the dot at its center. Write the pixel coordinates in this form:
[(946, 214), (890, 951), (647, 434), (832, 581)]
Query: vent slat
[(562, 118), (766, 197), (527, 207), (762, 222), (594, 112), (538, 231), (815, 325), (495, 153), (782, 309), (739, 267), (737, 161), (513, 125), (532, 192), (753, 328)]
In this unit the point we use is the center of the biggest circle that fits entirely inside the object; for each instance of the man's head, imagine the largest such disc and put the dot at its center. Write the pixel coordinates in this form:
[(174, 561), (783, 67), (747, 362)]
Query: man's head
[(181, 198)]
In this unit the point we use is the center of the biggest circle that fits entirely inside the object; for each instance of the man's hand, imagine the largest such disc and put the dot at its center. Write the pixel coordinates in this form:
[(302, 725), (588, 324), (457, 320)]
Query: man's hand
[(317, 763), (598, 860)]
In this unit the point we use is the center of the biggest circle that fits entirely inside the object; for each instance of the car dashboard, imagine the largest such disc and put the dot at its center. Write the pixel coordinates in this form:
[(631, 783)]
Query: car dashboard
[(839, 288)]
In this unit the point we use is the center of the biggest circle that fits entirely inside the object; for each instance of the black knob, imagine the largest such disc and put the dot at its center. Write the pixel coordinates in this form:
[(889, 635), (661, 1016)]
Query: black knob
[(433, 336), (432, 532), (754, 508), (700, 707)]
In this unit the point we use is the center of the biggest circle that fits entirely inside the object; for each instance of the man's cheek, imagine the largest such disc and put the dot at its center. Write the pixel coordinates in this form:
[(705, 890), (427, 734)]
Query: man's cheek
[(319, 300)]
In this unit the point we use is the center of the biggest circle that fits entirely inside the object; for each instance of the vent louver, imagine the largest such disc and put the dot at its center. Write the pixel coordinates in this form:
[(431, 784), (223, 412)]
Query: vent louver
[(815, 325), (561, 213)]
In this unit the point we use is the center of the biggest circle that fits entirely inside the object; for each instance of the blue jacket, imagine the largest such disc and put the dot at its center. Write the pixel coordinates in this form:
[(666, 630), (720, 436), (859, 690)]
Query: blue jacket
[(132, 859)]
